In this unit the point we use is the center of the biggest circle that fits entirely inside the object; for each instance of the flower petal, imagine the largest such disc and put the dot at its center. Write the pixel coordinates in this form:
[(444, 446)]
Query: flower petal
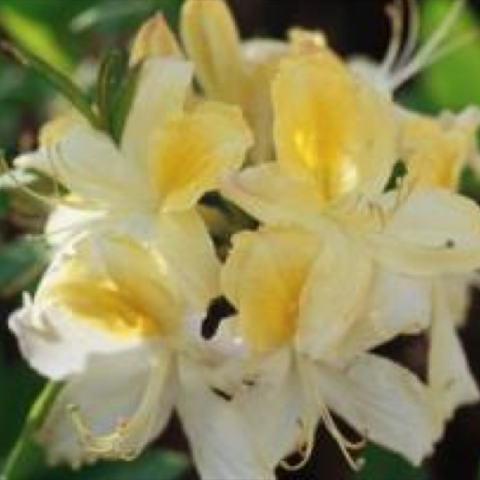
[(327, 124), (397, 305), (326, 312), (222, 444), (194, 150), (384, 402), (212, 42), (272, 401), (154, 37), (432, 231), (190, 256), (161, 92), (449, 375), (89, 164), (263, 278), (66, 223), (143, 276), (57, 345), (261, 58), (272, 197), (436, 150), (99, 296), (127, 397)]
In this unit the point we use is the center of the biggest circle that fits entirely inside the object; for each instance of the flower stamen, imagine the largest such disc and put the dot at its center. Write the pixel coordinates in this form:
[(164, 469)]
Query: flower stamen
[(412, 62), (129, 435), (316, 408)]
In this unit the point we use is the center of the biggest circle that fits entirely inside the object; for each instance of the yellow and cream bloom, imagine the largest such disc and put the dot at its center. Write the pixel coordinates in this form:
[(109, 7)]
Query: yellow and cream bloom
[(229, 71), (110, 323), (148, 185), (239, 72), (337, 140), (282, 280), (435, 151), (167, 157)]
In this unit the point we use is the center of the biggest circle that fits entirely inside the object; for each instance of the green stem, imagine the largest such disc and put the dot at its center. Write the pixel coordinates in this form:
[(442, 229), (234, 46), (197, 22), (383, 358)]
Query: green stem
[(24, 447)]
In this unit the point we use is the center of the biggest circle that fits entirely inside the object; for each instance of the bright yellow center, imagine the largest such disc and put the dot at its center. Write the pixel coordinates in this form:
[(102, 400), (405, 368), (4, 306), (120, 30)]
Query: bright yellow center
[(316, 123), (264, 277), (102, 304)]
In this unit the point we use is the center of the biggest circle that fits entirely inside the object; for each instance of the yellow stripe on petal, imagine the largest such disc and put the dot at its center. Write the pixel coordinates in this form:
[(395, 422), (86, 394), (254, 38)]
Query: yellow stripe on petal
[(263, 278), (119, 288), (330, 128), (105, 307), (146, 279), (191, 153), (314, 102)]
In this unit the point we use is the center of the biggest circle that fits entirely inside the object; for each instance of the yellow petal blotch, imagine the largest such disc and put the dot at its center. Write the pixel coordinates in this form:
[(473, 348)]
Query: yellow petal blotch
[(263, 278)]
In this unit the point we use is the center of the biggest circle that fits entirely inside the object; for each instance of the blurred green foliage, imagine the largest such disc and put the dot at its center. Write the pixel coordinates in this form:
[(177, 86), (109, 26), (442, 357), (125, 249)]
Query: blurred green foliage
[(65, 33), (380, 464), (452, 82)]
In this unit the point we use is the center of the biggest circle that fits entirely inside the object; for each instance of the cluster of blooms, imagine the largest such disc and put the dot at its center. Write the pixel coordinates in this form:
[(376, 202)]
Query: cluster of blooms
[(242, 248)]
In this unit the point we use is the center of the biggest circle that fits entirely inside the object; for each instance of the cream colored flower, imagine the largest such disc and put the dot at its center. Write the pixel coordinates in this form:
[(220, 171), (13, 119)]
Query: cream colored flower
[(109, 321), (436, 150), (229, 71), (148, 185), (239, 72), (167, 157), (283, 281), (337, 141)]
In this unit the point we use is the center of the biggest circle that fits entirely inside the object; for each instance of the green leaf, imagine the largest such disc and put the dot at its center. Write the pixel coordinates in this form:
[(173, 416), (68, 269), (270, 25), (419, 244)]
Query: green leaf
[(470, 184), (124, 103), (381, 464), (58, 80), (452, 82), (19, 378), (113, 71), (33, 34), (21, 263), (23, 461), (158, 465), (4, 204), (111, 10)]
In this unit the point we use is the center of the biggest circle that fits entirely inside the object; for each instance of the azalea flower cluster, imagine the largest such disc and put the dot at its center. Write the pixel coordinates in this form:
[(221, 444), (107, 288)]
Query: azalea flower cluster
[(240, 249)]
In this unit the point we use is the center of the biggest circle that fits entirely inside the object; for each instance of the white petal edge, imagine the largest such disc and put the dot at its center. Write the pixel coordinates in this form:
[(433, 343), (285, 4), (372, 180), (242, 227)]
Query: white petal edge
[(384, 402)]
